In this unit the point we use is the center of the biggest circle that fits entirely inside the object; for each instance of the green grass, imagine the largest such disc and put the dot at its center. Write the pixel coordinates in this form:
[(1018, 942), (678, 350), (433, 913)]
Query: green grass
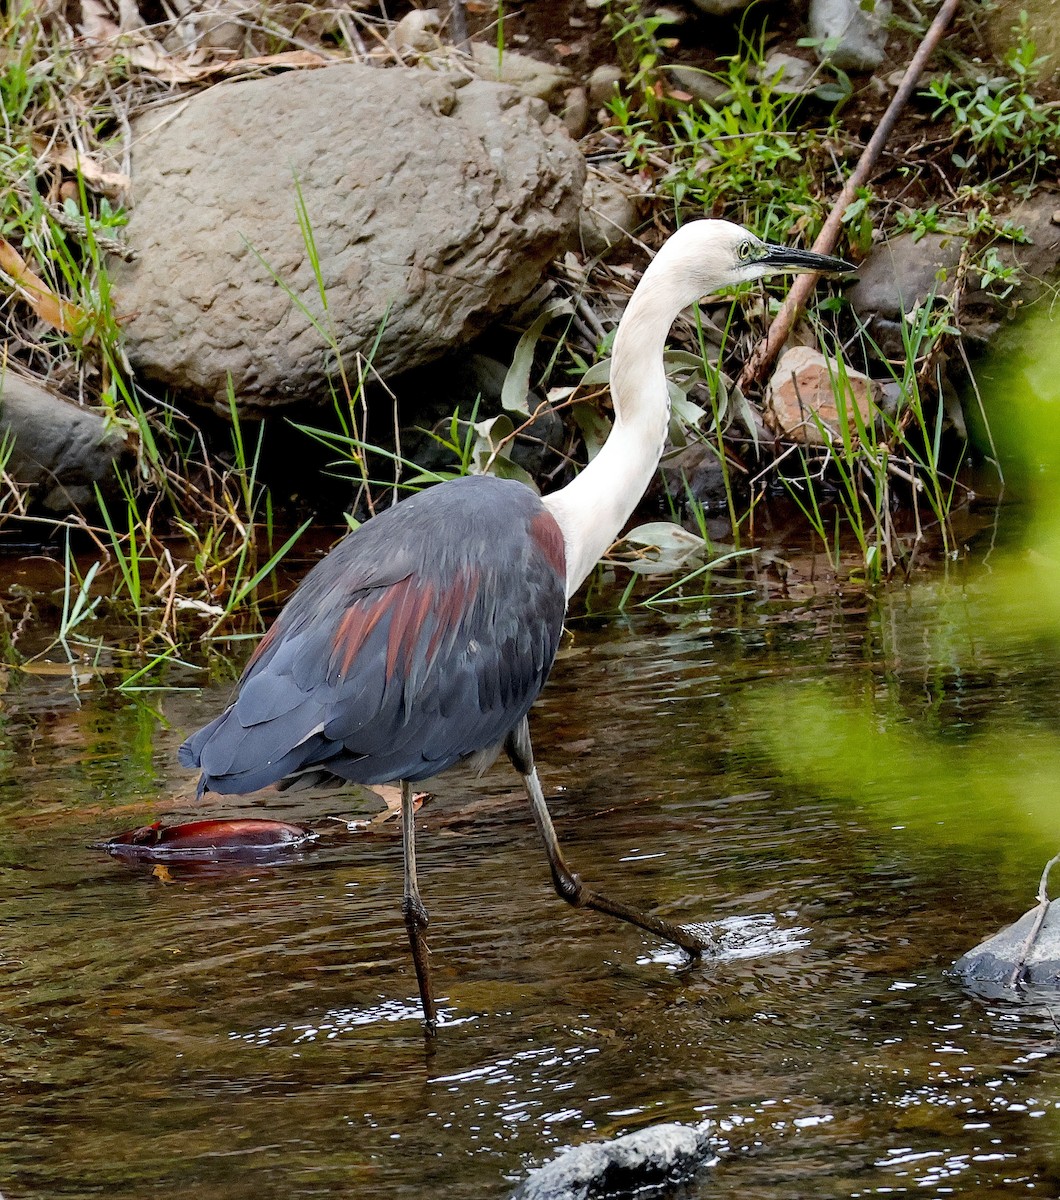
[(748, 155), (192, 527)]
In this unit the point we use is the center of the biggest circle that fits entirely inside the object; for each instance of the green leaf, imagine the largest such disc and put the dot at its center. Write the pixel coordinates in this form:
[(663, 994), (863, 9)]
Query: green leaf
[(516, 388)]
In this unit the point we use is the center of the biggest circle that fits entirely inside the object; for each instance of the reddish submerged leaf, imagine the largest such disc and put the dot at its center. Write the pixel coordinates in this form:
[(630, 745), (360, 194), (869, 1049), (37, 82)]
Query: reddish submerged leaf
[(243, 840)]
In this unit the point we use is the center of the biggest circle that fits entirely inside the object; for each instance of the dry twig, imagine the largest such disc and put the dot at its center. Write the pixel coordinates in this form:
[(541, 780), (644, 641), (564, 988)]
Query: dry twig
[(766, 351)]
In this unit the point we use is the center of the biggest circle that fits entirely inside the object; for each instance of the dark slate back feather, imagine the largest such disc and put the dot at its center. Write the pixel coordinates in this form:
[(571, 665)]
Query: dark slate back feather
[(422, 638)]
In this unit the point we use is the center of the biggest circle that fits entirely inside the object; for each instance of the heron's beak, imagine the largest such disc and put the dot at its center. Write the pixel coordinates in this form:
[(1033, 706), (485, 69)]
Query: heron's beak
[(787, 258)]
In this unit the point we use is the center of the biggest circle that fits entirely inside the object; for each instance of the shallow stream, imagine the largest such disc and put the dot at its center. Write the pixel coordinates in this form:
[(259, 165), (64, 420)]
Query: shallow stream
[(862, 788)]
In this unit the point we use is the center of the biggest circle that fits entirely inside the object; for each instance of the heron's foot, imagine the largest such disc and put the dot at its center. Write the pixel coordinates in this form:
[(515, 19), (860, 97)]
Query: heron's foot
[(697, 939), (414, 913), (569, 887)]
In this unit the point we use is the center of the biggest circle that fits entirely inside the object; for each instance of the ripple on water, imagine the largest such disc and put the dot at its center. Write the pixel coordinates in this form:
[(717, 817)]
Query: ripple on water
[(257, 1034)]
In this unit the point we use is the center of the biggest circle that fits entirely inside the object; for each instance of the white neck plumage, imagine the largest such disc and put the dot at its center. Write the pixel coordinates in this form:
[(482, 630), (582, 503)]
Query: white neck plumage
[(592, 510)]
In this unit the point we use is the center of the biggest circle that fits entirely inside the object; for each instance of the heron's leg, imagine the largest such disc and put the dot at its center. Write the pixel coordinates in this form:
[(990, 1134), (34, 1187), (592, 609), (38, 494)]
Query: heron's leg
[(567, 883), (412, 908)]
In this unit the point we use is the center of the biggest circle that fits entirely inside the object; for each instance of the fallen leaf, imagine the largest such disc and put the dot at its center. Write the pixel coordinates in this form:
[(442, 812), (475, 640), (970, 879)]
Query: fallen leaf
[(63, 315), (61, 154), (96, 23), (83, 673), (161, 872), (149, 57), (288, 58), (245, 839), (391, 797)]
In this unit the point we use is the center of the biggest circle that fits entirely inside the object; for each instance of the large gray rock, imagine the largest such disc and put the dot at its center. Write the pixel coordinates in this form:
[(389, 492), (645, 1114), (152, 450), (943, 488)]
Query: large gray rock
[(60, 450), (650, 1161), (434, 202)]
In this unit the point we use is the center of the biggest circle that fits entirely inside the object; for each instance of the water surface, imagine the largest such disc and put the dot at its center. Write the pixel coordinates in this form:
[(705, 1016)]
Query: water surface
[(256, 1033), (859, 787)]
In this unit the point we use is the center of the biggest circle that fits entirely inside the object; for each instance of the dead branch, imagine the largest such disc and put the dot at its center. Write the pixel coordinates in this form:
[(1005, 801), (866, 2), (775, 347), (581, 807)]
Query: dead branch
[(768, 349)]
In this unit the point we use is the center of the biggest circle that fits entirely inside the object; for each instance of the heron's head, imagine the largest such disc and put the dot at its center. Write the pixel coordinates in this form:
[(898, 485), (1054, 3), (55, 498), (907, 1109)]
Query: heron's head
[(704, 256)]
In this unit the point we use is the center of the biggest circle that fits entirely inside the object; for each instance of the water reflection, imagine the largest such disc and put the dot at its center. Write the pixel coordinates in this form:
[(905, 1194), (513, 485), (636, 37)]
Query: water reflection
[(259, 1034), (867, 787)]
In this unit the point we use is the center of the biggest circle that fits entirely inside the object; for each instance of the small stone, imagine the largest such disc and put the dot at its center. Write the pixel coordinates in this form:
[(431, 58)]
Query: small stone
[(604, 82), (670, 16), (216, 25), (528, 75), (800, 401), (416, 32), (722, 8), (575, 114), (609, 213), (852, 36), (60, 451), (786, 74), (699, 84)]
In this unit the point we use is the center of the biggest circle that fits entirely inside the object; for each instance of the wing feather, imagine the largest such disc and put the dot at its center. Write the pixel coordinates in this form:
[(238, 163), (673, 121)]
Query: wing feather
[(422, 639)]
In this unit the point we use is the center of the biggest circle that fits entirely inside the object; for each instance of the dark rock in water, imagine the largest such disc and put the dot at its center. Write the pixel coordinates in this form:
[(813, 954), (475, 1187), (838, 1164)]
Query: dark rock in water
[(694, 472), (1017, 957), (470, 385), (647, 1163)]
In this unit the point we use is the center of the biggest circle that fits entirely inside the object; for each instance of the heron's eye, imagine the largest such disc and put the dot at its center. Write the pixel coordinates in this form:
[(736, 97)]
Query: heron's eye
[(745, 252)]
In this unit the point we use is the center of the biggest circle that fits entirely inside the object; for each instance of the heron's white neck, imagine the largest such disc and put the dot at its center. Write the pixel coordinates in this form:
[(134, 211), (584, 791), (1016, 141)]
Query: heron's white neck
[(592, 510)]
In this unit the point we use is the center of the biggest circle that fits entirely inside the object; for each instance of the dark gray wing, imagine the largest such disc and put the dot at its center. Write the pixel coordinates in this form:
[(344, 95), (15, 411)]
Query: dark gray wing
[(423, 637)]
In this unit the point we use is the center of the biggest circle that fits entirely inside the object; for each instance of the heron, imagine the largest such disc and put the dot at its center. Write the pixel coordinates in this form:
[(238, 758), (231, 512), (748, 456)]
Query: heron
[(423, 638)]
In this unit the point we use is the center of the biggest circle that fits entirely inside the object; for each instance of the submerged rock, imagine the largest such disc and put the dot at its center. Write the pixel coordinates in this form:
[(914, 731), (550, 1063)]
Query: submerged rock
[(1023, 957), (426, 225), (648, 1162)]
